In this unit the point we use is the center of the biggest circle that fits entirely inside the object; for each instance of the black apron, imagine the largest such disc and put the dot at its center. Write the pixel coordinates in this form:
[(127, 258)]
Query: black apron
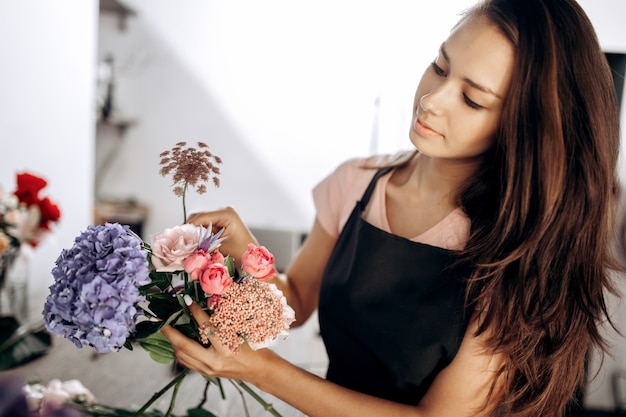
[(391, 310)]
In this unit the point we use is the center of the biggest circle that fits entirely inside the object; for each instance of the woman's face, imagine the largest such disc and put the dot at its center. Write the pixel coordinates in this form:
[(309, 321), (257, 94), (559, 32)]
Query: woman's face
[(459, 99)]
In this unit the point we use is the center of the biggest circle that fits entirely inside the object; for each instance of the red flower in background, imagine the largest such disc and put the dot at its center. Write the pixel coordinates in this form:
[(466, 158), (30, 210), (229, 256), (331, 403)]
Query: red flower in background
[(50, 212), (27, 192), (28, 187), (25, 215)]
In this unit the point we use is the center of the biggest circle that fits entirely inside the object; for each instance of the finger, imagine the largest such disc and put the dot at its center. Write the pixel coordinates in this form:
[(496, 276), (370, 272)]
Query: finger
[(188, 352), (204, 323), (201, 219)]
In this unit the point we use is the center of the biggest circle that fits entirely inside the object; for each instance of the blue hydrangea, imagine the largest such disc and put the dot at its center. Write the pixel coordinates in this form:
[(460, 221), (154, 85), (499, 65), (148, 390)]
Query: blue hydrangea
[(93, 300)]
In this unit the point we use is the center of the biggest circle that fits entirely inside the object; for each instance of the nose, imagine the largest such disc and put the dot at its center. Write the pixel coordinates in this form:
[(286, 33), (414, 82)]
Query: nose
[(429, 104)]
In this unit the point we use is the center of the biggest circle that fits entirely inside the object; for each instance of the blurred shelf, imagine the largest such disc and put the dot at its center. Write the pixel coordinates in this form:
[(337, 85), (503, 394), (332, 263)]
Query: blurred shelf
[(121, 124), (128, 213), (122, 11)]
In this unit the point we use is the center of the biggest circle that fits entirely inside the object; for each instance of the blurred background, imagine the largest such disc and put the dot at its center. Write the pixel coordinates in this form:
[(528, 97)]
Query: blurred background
[(91, 92)]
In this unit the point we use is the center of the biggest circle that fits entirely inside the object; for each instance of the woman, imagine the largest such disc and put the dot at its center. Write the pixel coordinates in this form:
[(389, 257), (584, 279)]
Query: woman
[(468, 279)]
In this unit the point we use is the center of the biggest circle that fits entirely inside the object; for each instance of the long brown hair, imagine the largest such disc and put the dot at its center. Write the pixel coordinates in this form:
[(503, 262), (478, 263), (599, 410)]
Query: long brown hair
[(542, 205)]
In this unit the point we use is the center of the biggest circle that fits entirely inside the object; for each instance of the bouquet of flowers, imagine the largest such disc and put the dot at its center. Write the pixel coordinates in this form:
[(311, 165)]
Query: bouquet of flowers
[(112, 289)]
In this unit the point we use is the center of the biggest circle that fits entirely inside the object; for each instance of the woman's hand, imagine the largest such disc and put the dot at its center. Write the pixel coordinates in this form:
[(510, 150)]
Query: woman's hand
[(217, 360), (237, 233)]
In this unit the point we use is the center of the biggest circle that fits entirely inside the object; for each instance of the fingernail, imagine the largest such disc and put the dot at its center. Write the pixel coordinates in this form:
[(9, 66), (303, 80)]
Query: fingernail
[(187, 300)]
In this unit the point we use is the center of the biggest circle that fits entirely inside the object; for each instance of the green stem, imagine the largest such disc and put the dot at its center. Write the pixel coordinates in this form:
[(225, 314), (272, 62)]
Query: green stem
[(173, 400), (186, 282), (267, 406), (184, 204), (176, 381)]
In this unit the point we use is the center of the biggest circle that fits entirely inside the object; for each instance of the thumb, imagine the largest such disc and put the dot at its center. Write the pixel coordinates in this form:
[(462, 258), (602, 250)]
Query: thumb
[(196, 311), (201, 317)]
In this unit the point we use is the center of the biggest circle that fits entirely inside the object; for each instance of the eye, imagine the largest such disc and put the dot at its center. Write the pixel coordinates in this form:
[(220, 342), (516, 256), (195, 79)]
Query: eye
[(471, 103), (438, 70)]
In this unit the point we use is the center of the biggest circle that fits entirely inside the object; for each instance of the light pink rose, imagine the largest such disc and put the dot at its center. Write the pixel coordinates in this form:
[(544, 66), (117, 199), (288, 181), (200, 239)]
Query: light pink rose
[(258, 262), (57, 393), (215, 279), (172, 246)]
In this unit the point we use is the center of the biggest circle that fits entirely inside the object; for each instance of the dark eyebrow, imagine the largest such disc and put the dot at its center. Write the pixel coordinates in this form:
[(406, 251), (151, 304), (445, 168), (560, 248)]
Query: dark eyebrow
[(473, 84)]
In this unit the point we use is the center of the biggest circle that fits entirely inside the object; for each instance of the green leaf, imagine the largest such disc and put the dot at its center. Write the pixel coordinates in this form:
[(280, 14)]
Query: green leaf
[(103, 410), (199, 412), (145, 328), (159, 348), (163, 305), (161, 280), (229, 262)]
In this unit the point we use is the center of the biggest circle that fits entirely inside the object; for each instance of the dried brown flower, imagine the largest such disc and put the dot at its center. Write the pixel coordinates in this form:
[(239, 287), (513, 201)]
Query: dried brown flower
[(190, 167)]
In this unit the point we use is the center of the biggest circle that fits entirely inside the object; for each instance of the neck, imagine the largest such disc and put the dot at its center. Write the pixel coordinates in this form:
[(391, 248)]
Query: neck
[(439, 178)]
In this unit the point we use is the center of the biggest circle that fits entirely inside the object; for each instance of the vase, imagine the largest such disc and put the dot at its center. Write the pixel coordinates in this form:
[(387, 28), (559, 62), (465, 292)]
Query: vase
[(14, 273)]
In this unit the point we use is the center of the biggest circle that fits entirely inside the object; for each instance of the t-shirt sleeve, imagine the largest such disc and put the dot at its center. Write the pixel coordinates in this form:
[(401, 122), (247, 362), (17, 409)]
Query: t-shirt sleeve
[(336, 195)]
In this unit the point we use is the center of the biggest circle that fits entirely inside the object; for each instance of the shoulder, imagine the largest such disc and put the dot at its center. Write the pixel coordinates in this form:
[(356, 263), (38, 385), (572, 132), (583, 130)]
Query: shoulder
[(356, 171), (336, 195)]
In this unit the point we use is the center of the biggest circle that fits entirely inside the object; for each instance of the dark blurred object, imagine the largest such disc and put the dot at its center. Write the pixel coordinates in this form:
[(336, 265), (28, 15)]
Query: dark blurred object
[(617, 62), (12, 401), (619, 391), (122, 11), (20, 344)]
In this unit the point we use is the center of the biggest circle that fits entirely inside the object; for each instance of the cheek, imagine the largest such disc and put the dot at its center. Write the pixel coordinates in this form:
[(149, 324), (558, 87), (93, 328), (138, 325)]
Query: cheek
[(473, 131), (483, 136)]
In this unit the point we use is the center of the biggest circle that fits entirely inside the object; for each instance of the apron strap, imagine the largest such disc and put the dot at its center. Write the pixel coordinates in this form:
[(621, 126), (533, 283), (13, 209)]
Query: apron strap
[(362, 203)]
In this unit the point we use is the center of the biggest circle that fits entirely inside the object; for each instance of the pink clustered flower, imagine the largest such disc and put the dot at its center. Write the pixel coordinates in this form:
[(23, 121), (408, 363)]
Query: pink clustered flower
[(253, 312)]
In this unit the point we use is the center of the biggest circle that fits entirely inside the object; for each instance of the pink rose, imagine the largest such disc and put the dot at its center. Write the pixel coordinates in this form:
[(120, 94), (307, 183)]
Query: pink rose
[(172, 246), (197, 262), (217, 257), (215, 279), (258, 262)]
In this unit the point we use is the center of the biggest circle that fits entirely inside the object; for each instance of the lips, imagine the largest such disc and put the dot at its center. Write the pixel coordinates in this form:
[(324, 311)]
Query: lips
[(424, 129)]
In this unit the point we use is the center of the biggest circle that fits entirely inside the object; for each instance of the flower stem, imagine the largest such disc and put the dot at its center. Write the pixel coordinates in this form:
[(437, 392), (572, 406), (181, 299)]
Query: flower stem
[(267, 406), (174, 382), (173, 399), (184, 203)]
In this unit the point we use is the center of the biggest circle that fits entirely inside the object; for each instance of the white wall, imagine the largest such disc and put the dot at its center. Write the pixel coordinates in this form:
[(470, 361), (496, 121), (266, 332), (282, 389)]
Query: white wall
[(46, 118), (282, 90)]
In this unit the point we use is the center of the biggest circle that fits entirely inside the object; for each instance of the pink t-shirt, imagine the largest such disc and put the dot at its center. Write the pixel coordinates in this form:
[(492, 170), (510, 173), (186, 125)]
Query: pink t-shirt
[(336, 195)]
